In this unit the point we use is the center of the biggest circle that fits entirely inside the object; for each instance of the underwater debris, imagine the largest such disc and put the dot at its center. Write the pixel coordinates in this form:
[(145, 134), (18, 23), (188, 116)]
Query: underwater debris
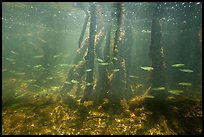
[(176, 91), (159, 88), (177, 65), (147, 68), (185, 84), (186, 70)]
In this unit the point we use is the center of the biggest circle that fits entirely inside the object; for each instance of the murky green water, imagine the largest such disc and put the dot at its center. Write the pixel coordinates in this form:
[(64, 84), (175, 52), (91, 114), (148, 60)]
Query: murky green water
[(131, 68)]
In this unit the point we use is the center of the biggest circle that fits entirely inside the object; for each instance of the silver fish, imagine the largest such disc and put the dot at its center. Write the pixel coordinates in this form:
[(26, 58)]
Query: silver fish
[(100, 60), (147, 68), (177, 65), (186, 70), (185, 84), (37, 66), (88, 70), (103, 64), (116, 70), (159, 88), (175, 91), (74, 81), (40, 56), (15, 53)]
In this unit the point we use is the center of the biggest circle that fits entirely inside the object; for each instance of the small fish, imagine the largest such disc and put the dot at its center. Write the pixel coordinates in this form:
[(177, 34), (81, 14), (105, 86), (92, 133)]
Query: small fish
[(146, 31), (20, 96), (12, 71), (114, 58), (74, 81), (72, 65), (36, 86), (37, 66), (147, 68), (170, 97), (148, 96), (67, 82), (88, 70), (4, 70), (58, 55), (185, 84), (9, 59), (176, 91), (177, 65), (40, 56), (15, 53), (30, 80), (186, 70), (103, 64), (42, 40), (158, 88), (116, 70), (89, 84), (63, 65), (132, 76), (54, 88), (100, 60), (20, 74), (49, 78)]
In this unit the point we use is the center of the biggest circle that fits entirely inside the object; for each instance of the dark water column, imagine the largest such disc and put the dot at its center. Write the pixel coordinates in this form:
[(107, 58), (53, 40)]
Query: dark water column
[(90, 55)]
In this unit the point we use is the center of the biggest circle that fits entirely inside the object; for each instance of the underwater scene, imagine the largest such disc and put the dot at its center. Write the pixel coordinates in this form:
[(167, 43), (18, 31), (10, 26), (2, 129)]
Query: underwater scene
[(102, 68)]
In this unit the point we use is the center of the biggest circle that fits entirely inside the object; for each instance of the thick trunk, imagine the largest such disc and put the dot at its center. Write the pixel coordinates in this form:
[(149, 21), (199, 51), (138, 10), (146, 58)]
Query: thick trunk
[(127, 50), (157, 80), (118, 81), (102, 82), (157, 55), (90, 55), (83, 29)]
